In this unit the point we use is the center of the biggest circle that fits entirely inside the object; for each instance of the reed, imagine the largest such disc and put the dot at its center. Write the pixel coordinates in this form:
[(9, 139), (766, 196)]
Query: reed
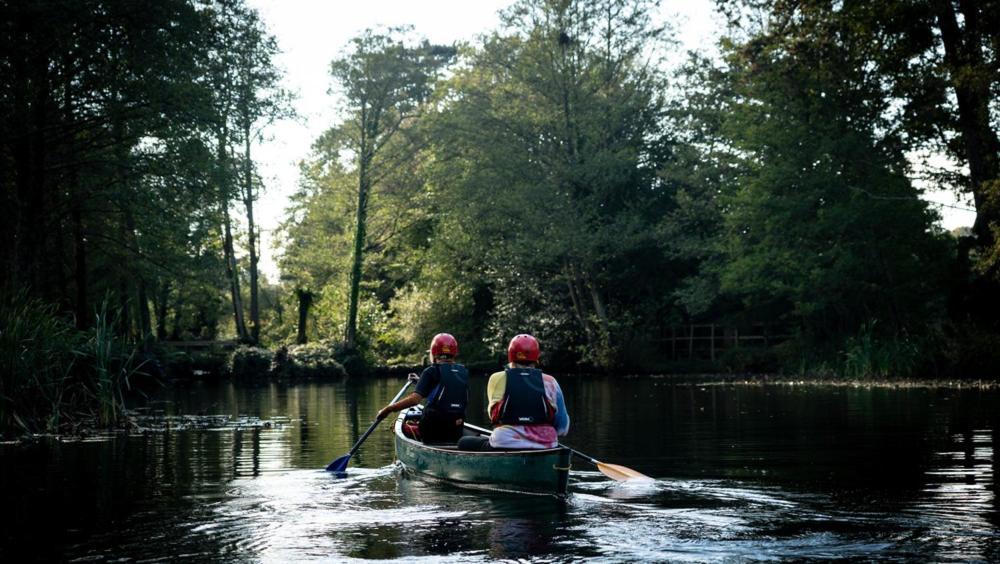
[(113, 360), (872, 355), (37, 359), (53, 377)]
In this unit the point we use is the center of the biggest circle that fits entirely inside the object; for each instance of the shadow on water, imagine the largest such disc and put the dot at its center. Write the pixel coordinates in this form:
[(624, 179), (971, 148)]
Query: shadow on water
[(744, 472)]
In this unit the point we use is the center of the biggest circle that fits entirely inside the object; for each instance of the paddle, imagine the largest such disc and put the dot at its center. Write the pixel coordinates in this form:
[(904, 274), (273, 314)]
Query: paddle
[(340, 465), (614, 471)]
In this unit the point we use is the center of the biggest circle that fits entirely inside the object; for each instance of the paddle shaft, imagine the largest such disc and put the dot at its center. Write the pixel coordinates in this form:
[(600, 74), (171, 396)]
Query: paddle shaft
[(377, 421)]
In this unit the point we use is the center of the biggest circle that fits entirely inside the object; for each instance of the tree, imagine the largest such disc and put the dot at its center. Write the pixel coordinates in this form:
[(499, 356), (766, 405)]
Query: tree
[(554, 135), (938, 62), (821, 226), (259, 101), (384, 82)]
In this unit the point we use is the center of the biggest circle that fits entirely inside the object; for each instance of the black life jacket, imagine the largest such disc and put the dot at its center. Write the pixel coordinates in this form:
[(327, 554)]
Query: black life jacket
[(451, 394), (524, 401)]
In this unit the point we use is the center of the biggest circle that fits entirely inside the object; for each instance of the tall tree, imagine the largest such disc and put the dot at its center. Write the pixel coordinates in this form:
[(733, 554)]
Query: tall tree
[(822, 227), (259, 101), (939, 61), (554, 135), (385, 82)]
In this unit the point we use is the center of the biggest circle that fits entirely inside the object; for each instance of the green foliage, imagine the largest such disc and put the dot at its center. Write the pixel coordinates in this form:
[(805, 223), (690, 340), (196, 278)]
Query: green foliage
[(250, 363), (817, 226), (109, 145), (38, 354), (313, 360), (113, 364), (871, 355), (966, 351), (54, 377), (351, 359)]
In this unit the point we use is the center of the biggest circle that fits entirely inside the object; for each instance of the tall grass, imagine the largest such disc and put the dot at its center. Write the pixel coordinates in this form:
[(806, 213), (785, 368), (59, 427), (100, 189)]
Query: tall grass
[(872, 355), (113, 363), (37, 358), (52, 376)]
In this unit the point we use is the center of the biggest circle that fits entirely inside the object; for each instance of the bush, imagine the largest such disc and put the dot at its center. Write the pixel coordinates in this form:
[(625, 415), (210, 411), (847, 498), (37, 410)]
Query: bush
[(250, 362), (53, 376), (313, 360), (351, 359), (968, 352)]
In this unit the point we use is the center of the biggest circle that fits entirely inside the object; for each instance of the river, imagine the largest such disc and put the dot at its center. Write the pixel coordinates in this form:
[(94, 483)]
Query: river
[(232, 472)]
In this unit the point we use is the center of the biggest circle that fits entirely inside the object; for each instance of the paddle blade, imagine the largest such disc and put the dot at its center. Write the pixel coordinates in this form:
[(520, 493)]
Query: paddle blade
[(621, 473), (340, 464)]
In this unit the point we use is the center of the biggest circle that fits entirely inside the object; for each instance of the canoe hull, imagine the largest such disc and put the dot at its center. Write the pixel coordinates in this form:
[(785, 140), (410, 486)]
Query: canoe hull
[(532, 471)]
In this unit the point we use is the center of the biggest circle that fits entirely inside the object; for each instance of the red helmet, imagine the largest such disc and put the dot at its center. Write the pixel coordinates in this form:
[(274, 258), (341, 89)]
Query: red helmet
[(443, 343), (523, 348)]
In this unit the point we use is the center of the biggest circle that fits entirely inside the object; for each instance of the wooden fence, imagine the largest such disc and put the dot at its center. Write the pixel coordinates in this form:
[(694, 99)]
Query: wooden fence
[(707, 341)]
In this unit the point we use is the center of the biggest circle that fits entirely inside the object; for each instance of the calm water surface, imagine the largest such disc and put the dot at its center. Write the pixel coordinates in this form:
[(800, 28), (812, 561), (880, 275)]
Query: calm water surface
[(743, 472)]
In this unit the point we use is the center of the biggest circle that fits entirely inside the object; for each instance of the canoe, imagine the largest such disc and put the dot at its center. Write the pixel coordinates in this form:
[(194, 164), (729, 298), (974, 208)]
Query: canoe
[(544, 471)]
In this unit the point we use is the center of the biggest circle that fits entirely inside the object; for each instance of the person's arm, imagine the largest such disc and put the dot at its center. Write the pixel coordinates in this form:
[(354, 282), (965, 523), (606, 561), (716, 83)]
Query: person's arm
[(409, 401), (494, 395), (561, 422)]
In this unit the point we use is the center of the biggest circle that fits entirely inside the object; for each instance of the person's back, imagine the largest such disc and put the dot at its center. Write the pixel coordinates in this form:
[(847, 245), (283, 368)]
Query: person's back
[(444, 384), (526, 406)]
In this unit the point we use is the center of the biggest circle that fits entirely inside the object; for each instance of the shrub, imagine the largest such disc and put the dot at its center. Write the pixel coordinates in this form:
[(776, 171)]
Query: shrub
[(313, 360), (250, 362), (968, 352), (351, 359)]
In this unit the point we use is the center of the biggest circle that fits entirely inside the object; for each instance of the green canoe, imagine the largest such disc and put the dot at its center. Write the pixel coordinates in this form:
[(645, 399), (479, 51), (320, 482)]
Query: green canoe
[(531, 471)]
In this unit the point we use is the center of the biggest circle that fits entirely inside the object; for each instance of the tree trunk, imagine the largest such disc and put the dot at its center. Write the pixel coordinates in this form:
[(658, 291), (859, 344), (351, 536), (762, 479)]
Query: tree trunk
[(175, 331), (227, 244), (80, 269), (971, 81), (142, 305), (248, 200), (582, 317), (305, 300), (351, 333), (162, 295)]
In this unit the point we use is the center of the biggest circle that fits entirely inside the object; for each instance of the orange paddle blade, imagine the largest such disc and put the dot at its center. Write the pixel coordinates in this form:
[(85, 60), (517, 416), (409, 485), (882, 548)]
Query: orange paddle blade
[(621, 473)]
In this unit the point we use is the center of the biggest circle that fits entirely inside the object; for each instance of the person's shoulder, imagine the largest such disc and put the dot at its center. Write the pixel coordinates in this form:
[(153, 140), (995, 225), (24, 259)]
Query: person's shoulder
[(498, 374), (550, 381), (432, 369)]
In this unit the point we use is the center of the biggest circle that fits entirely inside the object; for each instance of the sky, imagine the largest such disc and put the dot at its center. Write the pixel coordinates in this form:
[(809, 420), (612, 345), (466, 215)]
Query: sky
[(311, 33)]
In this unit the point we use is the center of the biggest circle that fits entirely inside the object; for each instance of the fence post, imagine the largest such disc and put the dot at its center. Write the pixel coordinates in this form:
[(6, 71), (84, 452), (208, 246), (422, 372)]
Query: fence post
[(691, 342), (712, 343), (673, 342)]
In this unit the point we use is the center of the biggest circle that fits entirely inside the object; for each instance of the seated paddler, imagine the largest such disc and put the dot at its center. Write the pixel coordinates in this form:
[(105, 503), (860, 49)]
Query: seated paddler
[(445, 386), (526, 406)]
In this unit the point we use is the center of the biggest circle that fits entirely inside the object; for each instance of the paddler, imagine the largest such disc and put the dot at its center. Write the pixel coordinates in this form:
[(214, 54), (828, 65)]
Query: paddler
[(445, 385), (526, 406)]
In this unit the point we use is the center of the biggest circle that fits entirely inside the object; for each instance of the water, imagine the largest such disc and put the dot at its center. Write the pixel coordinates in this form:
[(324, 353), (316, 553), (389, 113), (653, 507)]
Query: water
[(743, 472)]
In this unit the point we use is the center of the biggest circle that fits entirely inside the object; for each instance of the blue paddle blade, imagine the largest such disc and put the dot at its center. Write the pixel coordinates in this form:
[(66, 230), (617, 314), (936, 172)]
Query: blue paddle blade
[(340, 464)]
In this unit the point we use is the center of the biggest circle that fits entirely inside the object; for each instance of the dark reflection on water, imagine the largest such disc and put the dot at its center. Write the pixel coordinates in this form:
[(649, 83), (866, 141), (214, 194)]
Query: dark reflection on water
[(743, 472)]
